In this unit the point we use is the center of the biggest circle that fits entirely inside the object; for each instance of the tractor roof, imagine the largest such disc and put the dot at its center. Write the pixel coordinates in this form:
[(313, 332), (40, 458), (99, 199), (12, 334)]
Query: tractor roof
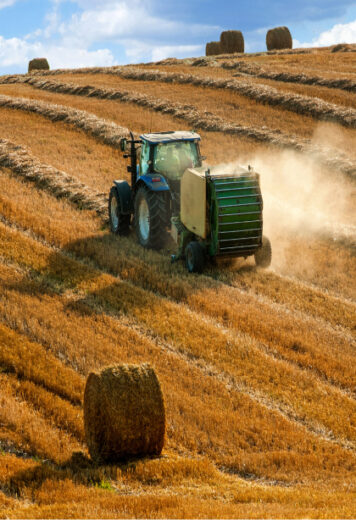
[(167, 137)]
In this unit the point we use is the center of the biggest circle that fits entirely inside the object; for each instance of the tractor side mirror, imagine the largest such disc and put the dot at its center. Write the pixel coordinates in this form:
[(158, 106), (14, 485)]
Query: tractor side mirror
[(123, 144)]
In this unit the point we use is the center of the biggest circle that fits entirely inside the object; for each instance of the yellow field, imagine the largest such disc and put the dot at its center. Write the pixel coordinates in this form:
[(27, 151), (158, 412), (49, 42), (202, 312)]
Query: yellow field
[(257, 366)]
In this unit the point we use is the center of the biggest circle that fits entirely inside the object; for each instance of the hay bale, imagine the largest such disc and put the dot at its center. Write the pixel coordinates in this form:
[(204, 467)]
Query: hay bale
[(124, 414), (212, 49), (232, 41), (279, 38), (38, 64)]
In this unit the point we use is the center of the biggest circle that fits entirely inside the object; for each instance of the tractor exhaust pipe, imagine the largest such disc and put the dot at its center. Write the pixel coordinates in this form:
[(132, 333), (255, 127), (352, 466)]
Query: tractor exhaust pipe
[(132, 155)]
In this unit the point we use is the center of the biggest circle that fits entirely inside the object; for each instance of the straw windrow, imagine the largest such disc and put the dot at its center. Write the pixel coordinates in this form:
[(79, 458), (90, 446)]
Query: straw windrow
[(110, 133)]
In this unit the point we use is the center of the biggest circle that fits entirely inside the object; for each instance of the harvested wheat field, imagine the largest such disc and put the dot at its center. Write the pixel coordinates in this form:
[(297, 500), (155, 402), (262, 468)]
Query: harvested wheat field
[(253, 381)]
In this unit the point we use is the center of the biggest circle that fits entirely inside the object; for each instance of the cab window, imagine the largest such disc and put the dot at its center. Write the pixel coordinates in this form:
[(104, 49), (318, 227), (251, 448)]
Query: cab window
[(172, 159), (145, 157)]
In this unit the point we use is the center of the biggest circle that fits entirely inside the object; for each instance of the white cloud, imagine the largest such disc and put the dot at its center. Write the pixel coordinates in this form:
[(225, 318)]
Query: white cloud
[(340, 33), (127, 20), (137, 51), (6, 3), (18, 52), (126, 24)]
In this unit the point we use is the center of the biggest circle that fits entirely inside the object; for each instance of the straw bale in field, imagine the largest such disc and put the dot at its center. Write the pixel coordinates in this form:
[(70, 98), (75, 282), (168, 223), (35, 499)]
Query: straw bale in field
[(124, 414), (232, 41), (38, 64), (212, 49), (279, 38)]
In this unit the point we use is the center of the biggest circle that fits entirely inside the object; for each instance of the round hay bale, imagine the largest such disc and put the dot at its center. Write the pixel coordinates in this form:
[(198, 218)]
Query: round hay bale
[(38, 64), (232, 41), (279, 38), (212, 49), (124, 414)]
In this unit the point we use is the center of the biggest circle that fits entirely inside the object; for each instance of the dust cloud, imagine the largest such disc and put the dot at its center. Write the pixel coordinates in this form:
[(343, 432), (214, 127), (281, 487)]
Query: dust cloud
[(301, 198)]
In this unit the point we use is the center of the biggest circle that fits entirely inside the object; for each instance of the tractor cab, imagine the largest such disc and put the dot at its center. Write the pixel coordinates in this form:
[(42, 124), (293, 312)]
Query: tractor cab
[(169, 154)]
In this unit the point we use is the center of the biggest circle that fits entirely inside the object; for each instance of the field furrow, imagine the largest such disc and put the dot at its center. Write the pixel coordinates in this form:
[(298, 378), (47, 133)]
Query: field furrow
[(325, 63), (235, 307), (235, 304), (38, 434), (327, 276), (257, 366), (310, 106), (55, 181), (241, 353), (191, 407), (331, 158), (254, 69)]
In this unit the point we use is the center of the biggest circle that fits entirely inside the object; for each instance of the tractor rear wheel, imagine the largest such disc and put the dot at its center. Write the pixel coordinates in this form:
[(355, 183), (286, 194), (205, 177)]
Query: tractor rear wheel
[(195, 257), (263, 256), (150, 218), (119, 222)]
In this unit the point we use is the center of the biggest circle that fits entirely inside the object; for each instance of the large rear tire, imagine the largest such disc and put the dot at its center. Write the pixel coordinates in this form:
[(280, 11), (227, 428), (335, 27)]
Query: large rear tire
[(150, 218), (263, 256), (195, 257), (119, 222)]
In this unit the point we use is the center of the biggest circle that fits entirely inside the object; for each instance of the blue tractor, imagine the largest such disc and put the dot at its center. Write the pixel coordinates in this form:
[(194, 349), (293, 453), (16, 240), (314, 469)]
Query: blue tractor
[(208, 214)]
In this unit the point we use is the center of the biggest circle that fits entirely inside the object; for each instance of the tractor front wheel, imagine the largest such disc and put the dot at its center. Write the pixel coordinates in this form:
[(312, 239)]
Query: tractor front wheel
[(263, 256), (195, 257), (119, 222), (150, 218)]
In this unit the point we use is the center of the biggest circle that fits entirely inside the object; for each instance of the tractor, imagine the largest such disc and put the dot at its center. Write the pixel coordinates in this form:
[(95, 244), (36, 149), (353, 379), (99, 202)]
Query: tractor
[(208, 214)]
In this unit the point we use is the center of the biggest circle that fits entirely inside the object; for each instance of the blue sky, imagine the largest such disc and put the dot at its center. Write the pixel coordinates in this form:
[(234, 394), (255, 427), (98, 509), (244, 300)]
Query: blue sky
[(75, 33)]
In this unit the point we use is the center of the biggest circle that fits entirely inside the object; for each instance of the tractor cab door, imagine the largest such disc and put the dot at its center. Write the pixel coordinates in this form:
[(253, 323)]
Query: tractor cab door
[(144, 159)]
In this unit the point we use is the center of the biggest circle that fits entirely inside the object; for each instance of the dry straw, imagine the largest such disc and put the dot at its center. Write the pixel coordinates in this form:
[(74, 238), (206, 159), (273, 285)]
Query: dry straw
[(279, 38), (212, 49), (110, 133), (54, 181), (124, 414), (232, 41), (38, 64)]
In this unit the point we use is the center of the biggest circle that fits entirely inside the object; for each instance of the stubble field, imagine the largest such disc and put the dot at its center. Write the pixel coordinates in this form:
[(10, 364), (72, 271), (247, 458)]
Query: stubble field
[(257, 366)]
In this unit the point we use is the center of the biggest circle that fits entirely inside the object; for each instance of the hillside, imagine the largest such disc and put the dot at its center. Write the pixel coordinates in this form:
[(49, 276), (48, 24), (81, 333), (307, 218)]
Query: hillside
[(257, 366)]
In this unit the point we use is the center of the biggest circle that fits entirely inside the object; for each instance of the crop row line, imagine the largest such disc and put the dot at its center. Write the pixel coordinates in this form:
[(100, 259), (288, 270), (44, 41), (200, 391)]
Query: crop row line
[(230, 381), (57, 182), (301, 104), (255, 70), (287, 77), (208, 312), (24, 164), (141, 282), (110, 133)]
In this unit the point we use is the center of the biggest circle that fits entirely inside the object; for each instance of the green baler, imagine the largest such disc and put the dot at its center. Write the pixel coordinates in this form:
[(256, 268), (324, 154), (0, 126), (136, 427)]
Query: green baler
[(221, 216)]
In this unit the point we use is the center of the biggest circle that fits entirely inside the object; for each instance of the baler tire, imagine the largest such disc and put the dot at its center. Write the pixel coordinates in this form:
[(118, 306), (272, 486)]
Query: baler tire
[(150, 229), (195, 257), (263, 256), (119, 222)]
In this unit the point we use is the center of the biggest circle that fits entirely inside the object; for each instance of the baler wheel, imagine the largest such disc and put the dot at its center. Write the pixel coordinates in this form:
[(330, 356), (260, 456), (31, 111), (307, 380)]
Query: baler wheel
[(195, 257), (119, 222), (263, 256)]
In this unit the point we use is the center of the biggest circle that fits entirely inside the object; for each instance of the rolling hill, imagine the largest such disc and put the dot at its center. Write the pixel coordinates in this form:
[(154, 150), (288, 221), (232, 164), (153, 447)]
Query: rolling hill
[(257, 366)]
